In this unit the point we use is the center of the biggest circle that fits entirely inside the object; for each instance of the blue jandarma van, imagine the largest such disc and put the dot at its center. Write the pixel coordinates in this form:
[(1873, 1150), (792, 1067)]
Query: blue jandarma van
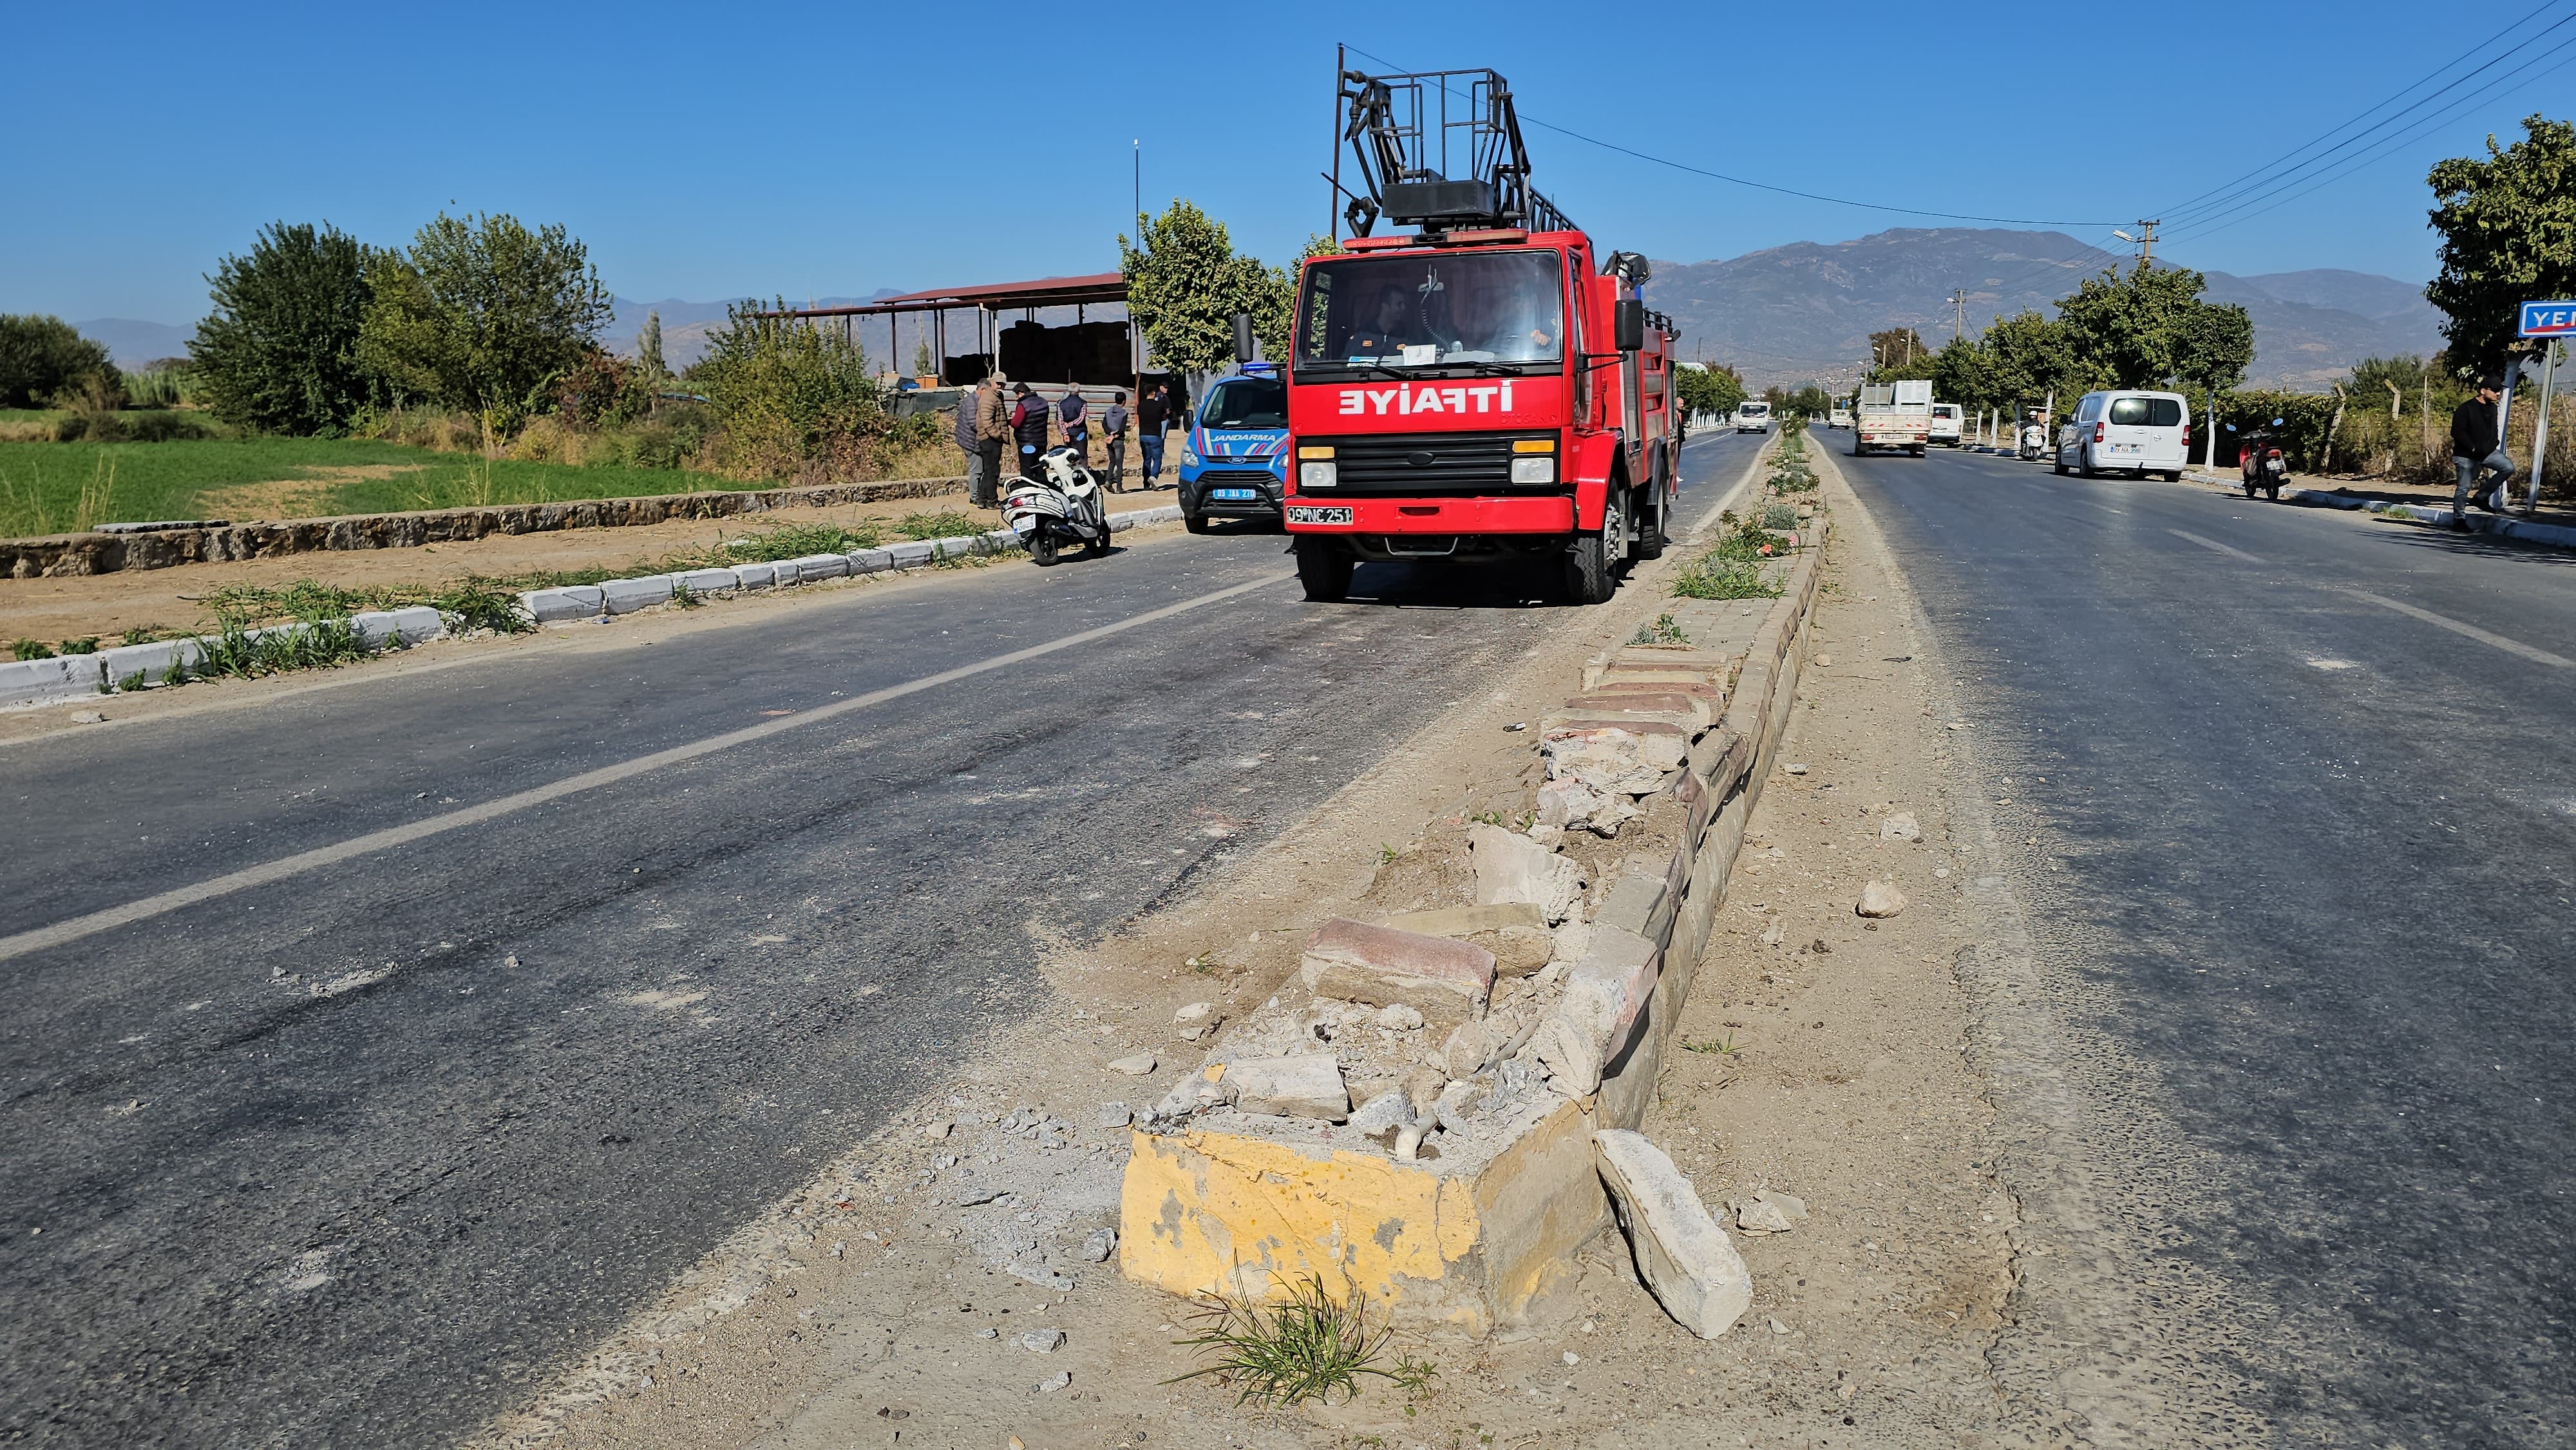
[(1234, 457)]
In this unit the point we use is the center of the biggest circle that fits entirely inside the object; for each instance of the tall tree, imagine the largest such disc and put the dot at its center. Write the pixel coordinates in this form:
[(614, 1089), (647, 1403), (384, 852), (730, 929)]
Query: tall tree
[(1185, 283), (2150, 328), (2508, 226), (1898, 352), (279, 352), (43, 355), (1709, 388), (485, 314), (648, 348)]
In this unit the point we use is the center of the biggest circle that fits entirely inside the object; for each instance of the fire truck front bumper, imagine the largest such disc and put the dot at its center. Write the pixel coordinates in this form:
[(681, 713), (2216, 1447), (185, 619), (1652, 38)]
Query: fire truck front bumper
[(1407, 528)]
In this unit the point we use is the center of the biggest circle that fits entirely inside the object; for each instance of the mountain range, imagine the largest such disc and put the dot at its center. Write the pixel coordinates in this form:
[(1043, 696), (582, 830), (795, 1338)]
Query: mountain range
[(1804, 312)]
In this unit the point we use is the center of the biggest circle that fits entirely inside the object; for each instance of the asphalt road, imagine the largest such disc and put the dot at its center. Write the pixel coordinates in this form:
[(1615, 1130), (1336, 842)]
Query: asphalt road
[(2304, 845), (359, 1155)]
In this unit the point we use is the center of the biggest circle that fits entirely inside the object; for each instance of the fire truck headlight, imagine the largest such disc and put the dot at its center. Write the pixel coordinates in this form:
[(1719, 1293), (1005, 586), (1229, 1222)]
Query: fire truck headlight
[(1533, 470), (1317, 475)]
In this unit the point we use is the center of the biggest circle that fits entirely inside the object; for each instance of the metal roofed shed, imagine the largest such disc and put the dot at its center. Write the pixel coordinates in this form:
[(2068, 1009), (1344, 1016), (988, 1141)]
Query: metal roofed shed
[(1104, 354)]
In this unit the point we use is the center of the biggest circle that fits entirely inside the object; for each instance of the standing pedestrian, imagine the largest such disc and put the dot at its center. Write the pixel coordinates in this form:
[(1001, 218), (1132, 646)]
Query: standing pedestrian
[(992, 430), (1029, 426), (1077, 424), (2477, 448), (1153, 417), (968, 443), (1113, 428)]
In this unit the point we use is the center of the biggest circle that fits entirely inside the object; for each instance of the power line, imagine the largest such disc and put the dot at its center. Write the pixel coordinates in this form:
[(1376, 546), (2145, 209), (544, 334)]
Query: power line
[(1529, 119), (2211, 224), (2198, 207)]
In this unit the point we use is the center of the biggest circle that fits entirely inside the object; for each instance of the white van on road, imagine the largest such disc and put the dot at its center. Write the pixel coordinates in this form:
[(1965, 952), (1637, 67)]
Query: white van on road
[(1945, 426), (2128, 432), (1753, 417)]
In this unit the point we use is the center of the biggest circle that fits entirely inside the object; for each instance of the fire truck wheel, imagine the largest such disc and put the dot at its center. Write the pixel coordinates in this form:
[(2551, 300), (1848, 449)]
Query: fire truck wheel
[(1325, 570), (1588, 577), (1650, 529)]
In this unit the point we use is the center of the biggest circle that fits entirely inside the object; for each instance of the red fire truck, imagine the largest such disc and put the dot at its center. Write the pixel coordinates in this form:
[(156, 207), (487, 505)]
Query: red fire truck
[(1490, 388)]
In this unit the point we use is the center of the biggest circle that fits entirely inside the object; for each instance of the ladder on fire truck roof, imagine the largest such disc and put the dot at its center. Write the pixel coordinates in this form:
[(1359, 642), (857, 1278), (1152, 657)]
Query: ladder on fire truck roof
[(1404, 130)]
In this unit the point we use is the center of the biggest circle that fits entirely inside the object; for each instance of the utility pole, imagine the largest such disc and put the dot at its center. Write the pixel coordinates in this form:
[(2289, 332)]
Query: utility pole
[(2147, 243), (1958, 313)]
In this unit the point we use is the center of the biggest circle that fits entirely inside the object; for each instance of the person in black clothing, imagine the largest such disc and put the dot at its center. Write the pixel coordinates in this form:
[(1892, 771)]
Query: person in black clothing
[(1153, 415), (1029, 428), (2476, 449)]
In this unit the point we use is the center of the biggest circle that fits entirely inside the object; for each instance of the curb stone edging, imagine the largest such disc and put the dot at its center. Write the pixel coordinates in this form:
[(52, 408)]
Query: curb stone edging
[(1241, 1205), (30, 684), (2503, 526)]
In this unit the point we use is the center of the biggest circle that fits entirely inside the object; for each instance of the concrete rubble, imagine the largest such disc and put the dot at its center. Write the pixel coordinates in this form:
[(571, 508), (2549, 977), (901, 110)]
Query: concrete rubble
[(1880, 899), (1682, 1254), (1439, 1118)]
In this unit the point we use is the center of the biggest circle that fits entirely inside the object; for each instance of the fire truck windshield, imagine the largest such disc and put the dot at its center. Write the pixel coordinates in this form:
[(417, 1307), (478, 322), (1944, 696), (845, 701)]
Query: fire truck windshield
[(1430, 310)]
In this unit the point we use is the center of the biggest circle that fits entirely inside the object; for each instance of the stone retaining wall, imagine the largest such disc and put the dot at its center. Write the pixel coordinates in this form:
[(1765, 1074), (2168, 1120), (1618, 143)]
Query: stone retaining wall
[(67, 555)]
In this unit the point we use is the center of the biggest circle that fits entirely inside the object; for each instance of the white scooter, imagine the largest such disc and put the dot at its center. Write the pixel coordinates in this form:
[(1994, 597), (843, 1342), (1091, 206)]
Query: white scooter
[(2034, 441), (1064, 508)]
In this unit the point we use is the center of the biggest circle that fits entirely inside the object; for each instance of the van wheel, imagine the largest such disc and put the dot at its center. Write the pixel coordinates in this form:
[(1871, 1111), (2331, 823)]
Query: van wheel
[(2173, 475), (2084, 465), (2058, 462), (1325, 569), (1195, 523)]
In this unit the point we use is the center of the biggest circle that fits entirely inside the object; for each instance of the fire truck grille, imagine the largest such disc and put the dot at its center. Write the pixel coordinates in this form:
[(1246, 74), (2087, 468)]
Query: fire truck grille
[(1436, 463)]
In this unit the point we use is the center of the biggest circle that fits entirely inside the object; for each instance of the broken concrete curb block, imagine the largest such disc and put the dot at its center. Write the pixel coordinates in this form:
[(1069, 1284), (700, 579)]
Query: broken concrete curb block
[(1513, 868), (1568, 1053), (1308, 1086), (1140, 1065), (1447, 981), (1468, 920), (1608, 988), (1687, 1261)]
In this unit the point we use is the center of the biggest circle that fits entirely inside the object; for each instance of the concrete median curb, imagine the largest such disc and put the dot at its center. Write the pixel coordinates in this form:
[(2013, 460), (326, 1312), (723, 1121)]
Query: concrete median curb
[(30, 684), (2503, 526), (1221, 1201)]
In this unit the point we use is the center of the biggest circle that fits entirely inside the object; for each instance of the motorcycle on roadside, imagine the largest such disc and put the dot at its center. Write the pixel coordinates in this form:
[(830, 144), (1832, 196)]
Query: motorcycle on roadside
[(1059, 511), (2260, 462), (2033, 444)]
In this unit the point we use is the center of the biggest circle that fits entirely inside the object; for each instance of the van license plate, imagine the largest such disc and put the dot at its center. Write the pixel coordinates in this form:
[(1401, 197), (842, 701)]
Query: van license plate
[(1312, 515), (1232, 493)]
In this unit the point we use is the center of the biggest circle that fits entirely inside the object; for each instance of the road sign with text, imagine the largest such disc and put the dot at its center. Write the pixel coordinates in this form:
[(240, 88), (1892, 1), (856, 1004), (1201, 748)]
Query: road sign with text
[(2549, 319)]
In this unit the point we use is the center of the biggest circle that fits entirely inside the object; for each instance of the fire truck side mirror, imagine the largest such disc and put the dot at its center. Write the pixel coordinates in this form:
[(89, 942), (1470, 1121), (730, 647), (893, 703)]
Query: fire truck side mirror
[(1628, 325)]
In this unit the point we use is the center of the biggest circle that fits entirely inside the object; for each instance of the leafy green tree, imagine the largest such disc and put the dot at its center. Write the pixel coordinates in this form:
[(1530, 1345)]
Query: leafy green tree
[(43, 355), (1186, 283), (1709, 388), (1963, 372), (2150, 328), (792, 397), (279, 353), (1898, 352), (484, 314), (2508, 227), (2032, 356)]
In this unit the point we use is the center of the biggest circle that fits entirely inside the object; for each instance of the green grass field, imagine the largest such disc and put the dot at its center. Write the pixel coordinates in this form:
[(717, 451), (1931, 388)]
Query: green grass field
[(48, 488)]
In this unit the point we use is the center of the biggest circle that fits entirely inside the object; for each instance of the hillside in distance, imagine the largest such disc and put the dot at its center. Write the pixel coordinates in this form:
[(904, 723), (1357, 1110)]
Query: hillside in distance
[(1804, 312)]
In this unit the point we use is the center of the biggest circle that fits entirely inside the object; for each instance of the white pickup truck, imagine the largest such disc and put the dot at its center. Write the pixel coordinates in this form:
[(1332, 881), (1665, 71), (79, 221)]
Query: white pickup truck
[(1894, 415)]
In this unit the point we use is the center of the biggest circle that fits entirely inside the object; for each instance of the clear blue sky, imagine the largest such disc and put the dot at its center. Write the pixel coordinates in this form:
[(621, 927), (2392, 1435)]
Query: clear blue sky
[(708, 151)]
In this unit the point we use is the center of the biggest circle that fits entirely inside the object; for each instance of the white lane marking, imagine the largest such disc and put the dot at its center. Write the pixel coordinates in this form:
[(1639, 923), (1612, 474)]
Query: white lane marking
[(2214, 544), (284, 867), (2443, 621)]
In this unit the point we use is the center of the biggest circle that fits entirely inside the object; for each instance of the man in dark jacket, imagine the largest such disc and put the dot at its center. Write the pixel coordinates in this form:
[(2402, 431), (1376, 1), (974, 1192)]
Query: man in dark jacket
[(2477, 448), (1113, 429), (963, 435), (1153, 417), (1077, 422), (1029, 426)]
